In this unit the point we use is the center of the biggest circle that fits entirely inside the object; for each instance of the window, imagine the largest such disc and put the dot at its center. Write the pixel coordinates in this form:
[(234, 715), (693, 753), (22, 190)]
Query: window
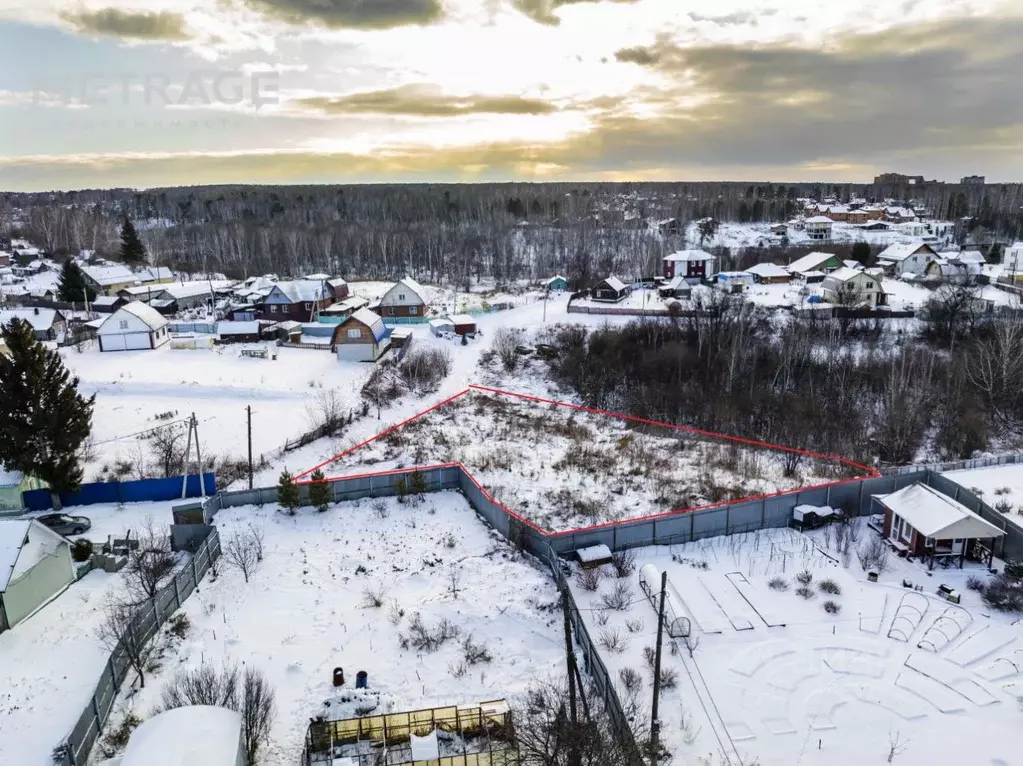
[(123, 324), (401, 296), (273, 309), (870, 285), (390, 311), (413, 310), (308, 306), (354, 333)]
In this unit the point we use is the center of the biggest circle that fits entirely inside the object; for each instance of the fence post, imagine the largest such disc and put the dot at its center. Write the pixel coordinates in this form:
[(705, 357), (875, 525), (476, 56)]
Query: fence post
[(177, 595)]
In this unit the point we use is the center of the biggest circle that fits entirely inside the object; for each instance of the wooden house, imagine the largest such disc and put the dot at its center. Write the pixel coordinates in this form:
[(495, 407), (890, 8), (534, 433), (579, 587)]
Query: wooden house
[(611, 290), (362, 337), (47, 324), (824, 262), (907, 258), (406, 299), (769, 274), (693, 265), (557, 284), (852, 287), (919, 521)]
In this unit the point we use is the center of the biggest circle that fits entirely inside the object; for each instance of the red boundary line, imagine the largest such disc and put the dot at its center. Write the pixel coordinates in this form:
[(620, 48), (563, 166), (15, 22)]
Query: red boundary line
[(871, 473)]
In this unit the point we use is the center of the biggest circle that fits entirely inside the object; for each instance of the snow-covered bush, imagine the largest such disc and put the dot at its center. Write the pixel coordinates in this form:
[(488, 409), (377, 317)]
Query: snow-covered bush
[(778, 583), (589, 579), (619, 599), (832, 607), (830, 587), (805, 591), (805, 577)]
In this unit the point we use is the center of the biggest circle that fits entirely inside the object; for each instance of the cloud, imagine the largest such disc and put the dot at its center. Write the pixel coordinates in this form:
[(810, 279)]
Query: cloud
[(738, 18), (354, 14), (542, 11), (425, 101), (162, 25)]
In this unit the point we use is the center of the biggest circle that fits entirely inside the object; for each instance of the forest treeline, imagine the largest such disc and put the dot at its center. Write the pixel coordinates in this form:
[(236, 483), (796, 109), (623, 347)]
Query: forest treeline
[(453, 233), (799, 382)]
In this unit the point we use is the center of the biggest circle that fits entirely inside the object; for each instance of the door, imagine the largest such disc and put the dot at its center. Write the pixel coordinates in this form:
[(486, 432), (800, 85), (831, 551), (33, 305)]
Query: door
[(137, 341), (113, 343)]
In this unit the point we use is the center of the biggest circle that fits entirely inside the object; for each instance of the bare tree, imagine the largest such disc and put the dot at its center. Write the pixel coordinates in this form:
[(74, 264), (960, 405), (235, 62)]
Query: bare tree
[(167, 447), (243, 552), (896, 745), (117, 629), (505, 345), (326, 411), (150, 561), (258, 710), (256, 535), (204, 685)]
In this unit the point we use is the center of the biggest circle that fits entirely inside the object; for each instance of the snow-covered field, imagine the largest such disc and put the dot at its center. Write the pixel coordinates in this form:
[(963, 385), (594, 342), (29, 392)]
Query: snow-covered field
[(776, 680), (133, 388), (564, 468), (305, 612), (1001, 487)]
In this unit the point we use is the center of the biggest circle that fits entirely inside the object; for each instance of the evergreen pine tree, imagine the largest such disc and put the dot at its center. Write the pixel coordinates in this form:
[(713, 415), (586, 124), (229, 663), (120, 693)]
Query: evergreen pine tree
[(43, 419), (72, 287), (133, 252), (287, 493), (319, 491)]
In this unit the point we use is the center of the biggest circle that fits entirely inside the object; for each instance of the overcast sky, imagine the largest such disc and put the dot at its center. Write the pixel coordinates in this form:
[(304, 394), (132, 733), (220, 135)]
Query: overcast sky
[(143, 93)]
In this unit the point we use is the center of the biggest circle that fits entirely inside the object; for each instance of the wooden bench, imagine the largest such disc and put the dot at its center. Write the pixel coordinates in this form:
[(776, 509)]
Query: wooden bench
[(901, 548)]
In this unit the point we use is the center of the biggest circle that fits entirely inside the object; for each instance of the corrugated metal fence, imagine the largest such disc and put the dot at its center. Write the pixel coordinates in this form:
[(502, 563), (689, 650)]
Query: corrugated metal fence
[(142, 628), (768, 512)]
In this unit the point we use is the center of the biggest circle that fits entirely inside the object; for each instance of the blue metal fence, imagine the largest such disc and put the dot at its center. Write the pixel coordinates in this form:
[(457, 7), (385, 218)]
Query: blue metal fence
[(143, 490)]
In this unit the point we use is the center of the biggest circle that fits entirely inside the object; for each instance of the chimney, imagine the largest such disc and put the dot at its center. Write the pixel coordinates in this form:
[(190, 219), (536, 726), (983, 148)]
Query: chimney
[(37, 310)]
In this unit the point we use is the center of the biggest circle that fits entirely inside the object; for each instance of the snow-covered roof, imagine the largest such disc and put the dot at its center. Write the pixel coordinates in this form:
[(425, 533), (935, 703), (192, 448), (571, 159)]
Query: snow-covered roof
[(689, 256), (900, 252), (415, 287), (462, 319), (181, 290), (195, 735), (109, 275), (819, 219), (155, 274), (23, 544), (809, 262), (555, 278), (41, 319), (679, 283), (971, 256), (302, 290), (237, 328), (317, 277), (336, 282), (152, 318), (854, 265), (935, 515), (372, 321), (767, 270), (844, 274), (105, 300), (10, 478)]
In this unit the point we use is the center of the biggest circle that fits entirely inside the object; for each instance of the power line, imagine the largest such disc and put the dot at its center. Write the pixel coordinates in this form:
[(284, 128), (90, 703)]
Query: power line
[(154, 429)]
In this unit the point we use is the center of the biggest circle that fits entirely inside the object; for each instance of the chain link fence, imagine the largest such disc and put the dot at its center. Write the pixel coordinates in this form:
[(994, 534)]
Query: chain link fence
[(142, 628)]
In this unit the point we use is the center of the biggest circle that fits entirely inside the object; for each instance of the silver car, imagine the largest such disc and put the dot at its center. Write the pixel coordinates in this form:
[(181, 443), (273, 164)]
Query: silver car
[(66, 525)]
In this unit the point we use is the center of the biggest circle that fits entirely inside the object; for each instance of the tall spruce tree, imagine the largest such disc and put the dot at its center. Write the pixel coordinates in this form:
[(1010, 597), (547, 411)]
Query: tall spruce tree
[(287, 493), (73, 287), (133, 252), (44, 421)]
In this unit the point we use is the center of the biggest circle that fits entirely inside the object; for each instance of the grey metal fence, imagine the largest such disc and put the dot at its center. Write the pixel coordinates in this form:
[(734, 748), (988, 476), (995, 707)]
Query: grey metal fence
[(594, 665), (957, 465), (141, 629)]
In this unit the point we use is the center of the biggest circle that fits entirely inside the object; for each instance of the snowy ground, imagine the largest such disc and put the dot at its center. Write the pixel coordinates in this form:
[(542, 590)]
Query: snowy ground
[(776, 680), (1001, 487), (50, 664), (134, 387), (565, 469), (303, 613)]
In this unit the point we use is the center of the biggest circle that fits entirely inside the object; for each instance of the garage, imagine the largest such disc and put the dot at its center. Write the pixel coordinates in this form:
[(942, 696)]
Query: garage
[(133, 327)]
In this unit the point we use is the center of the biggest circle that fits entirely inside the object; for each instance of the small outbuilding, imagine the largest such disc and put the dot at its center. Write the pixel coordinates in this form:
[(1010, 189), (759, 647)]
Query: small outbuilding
[(362, 337), (769, 274), (35, 566), (464, 324), (133, 327), (442, 326), (920, 521), (611, 290), (557, 284), (676, 288), (196, 735)]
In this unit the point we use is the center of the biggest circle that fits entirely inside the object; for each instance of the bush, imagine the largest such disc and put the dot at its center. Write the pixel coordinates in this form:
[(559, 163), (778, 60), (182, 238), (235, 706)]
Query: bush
[(805, 577), (613, 640), (475, 653), (873, 555), (831, 607), (669, 678), (373, 598), (423, 369), (1004, 594), (805, 591), (624, 563), (778, 583), (649, 655), (830, 587), (634, 626), (81, 549), (179, 625), (589, 579), (320, 491), (1013, 570), (631, 680), (423, 638), (619, 599), (117, 738), (975, 584)]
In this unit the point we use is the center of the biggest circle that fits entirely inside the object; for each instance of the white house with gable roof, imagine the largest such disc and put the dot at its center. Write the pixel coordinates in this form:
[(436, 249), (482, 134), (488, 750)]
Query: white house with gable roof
[(406, 298), (133, 327)]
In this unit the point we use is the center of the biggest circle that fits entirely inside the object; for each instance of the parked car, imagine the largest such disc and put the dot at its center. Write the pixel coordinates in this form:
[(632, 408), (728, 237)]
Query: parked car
[(66, 525)]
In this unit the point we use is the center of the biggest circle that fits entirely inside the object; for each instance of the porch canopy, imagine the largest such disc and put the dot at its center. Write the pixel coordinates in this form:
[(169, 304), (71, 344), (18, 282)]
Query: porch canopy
[(937, 516)]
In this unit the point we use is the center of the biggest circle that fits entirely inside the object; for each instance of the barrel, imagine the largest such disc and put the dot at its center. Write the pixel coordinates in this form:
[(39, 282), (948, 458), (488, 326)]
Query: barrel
[(362, 680), (339, 677)]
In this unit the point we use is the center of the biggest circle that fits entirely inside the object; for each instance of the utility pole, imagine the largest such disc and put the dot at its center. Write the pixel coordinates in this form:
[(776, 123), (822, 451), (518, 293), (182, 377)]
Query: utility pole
[(655, 725), (249, 410), (574, 758)]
